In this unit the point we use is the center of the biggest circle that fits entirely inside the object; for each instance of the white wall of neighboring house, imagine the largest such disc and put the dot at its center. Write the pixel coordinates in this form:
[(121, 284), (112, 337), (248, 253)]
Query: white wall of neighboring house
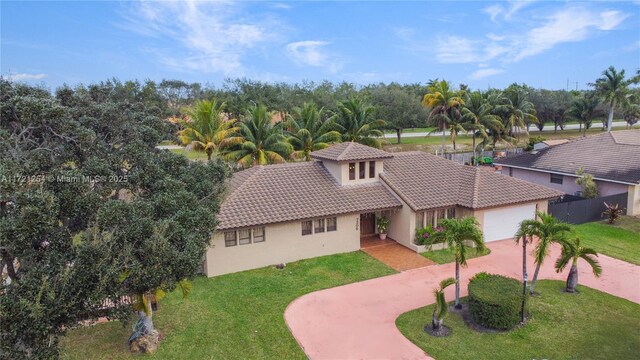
[(568, 185), (633, 200), (283, 243)]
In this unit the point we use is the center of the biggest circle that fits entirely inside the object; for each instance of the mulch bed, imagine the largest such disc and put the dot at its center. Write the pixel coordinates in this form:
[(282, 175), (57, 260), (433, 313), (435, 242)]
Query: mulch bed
[(442, 332)]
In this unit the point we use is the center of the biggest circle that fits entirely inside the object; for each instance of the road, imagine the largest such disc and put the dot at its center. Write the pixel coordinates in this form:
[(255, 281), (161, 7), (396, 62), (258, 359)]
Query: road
[(546, 129)]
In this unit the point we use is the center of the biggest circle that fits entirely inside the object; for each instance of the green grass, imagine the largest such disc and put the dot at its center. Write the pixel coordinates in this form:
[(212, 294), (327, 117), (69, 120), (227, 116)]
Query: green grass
[(445, 256), (621, 241), (587, 325), (235, 316), (411, 130), (190, 154)]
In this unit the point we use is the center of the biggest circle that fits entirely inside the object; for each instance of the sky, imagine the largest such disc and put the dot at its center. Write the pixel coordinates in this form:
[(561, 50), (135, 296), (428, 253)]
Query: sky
[(545, 44)]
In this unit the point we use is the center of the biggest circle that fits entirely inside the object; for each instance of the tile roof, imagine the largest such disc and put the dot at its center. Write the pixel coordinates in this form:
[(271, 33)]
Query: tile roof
[(295, 191), (349, 151), (425, 181), (610, 156)]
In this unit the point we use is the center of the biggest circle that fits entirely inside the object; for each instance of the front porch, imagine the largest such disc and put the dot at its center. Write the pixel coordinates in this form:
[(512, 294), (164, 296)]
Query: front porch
[(392, 254)]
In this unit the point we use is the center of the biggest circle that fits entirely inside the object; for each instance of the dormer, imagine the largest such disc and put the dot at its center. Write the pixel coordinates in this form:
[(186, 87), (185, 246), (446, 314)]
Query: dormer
[(351, 163)]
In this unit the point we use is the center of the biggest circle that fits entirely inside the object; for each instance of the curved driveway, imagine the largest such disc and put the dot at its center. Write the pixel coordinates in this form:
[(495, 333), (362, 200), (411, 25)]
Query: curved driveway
[(357, 321)]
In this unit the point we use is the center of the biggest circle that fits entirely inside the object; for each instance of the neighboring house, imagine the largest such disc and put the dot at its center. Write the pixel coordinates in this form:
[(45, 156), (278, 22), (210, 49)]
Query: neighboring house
[(281, 213), (613, 159)]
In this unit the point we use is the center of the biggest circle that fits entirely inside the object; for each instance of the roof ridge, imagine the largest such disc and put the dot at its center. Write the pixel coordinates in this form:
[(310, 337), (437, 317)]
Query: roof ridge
[(476, 181), (347, 148)]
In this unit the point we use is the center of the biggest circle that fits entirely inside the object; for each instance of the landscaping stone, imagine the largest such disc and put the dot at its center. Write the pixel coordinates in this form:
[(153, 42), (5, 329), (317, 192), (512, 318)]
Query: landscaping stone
[(146, 344)]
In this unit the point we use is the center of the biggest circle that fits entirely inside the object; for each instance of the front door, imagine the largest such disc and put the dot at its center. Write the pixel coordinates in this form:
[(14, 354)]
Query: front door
[(367, 224)]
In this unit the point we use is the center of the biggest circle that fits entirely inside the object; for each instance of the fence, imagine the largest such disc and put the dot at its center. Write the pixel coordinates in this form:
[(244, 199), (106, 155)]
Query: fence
[(575, 210), (467, 157)]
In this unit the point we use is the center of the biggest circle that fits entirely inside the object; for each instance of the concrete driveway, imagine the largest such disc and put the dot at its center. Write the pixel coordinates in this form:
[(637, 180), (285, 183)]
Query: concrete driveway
[(357, 321)]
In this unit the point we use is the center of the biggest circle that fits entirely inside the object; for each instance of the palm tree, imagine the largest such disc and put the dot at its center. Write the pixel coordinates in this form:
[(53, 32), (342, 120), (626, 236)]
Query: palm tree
[(518, 110), (309, 132), (444, 104), (584, 110), (548, 230), (478, 117), (263, 143), (572, 251), (614, 90), (441, 308), (526, 233), (357, 123), (457, 233), (205, 128)]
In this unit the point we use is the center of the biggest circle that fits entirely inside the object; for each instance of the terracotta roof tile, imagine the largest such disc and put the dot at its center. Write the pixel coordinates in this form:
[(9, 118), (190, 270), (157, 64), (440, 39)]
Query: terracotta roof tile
[(612, 156), (349, 151)]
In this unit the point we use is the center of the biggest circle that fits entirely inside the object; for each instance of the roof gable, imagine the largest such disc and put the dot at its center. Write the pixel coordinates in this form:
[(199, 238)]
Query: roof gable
[(350, 151)]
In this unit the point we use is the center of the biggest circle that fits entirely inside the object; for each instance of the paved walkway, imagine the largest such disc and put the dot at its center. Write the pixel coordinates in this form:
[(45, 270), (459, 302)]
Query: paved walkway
[(394, 255), (357, 321)]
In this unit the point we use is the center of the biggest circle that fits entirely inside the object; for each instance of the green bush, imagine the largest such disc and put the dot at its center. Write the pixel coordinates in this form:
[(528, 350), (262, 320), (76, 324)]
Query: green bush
[(495, 301)]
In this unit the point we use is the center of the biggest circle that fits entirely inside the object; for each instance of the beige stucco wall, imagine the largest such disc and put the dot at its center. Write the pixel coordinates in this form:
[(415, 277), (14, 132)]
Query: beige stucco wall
[(568, 186), (340, 171), (633, 200), (284, 243)]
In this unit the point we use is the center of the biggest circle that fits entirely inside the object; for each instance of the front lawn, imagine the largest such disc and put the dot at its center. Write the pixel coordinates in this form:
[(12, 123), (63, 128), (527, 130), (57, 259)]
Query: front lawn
[(446, 255), (621, 241), (235, 316), (587, 325)]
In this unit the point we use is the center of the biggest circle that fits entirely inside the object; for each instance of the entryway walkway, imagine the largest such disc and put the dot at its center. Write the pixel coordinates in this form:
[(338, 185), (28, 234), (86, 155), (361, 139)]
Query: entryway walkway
[(392, 254), (357, 321)]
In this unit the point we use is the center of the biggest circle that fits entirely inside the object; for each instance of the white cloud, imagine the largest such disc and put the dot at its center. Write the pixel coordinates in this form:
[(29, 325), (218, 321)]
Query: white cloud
[(312, 53), (211, 36), (494, 11), (508, 12), (26, 76), (483, 73), (460, 50)]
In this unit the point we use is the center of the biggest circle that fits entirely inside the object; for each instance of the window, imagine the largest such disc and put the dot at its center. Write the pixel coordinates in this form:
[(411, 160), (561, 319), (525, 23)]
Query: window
[(244, 236), (511, 172), (258, 234), (307, 227), (372, 169), (429, 218), (332, 224), (439, 215), (319, 228), (230, 239), (451, 213), (556, 179), (362, 169), (419, 220), (352, 171)]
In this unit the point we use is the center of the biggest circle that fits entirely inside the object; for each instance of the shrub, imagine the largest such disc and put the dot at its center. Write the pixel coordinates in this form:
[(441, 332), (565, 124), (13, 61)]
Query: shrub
[(495, 301), (422, 235)]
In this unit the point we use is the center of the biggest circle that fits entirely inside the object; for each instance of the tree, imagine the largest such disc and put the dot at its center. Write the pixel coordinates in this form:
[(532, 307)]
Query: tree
[(442, 102), (90, 210), (571, 252), (525, 233), (205, 128), (585, 181), (518, 110), (358, 124), (399, 108), (614, 90), (478, 117), (584, 109), (457, 234), (441, 307), (310, 131), (263, 143), (547, 229), (631, 114)]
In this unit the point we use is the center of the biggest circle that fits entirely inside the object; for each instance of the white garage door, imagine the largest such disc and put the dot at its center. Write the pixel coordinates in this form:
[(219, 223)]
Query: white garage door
[(502, 223)]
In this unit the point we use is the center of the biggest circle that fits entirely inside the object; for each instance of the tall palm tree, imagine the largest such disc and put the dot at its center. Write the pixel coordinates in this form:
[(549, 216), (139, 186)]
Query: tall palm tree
[(584, 109), (441, 307), (263, 143), (443, 104), (518, 110), (205, 128), (309, 132), (478, 117), (614, 90), (357, 123), (457, 233), (525, 233), (571, 252), (547, 229)]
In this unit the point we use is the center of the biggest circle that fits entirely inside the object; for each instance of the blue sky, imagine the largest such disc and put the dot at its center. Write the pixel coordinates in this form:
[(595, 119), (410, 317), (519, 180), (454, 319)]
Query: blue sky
[(540, 43)]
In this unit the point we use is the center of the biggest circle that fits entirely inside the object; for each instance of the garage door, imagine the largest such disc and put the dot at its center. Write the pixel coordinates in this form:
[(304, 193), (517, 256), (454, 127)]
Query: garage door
[(502, 223)]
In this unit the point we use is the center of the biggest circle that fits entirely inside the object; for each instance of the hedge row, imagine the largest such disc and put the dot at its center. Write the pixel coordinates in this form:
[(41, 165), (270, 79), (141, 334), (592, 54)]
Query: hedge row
[(495, 301)]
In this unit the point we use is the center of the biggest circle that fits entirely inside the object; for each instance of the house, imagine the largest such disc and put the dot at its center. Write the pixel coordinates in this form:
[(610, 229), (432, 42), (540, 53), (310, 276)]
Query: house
[(286, 212), (612, 158)]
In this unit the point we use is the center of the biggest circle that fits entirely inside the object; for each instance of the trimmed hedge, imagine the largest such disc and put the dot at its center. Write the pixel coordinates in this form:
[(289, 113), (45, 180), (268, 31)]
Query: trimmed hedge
[(495, 301)]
